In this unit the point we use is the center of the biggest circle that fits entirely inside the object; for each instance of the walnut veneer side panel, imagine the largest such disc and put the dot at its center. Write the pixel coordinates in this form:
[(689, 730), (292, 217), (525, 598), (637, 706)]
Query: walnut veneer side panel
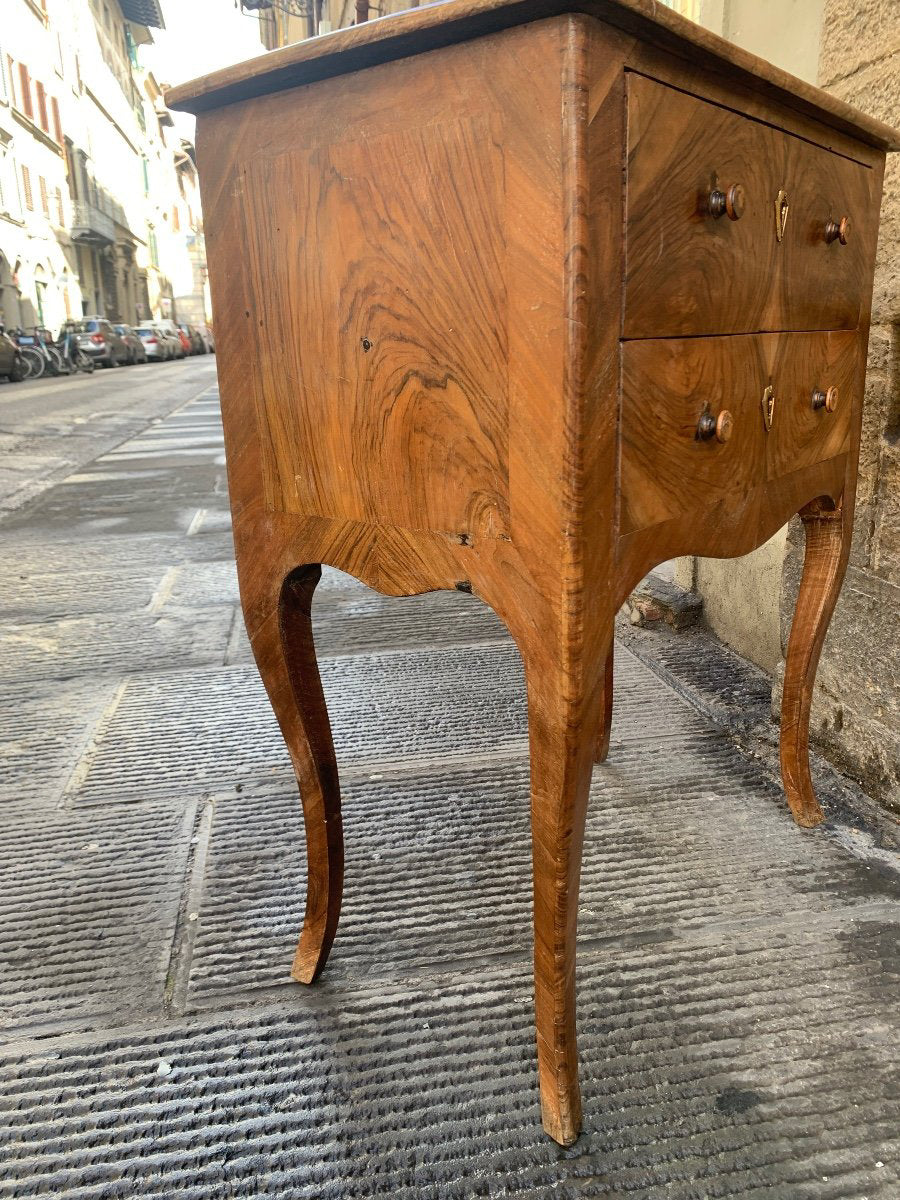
[(380, 264), (476, 342)]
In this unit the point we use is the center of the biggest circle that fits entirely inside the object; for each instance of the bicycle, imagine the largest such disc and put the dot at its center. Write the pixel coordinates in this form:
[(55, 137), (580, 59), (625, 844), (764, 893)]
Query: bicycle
[(71, 353), (38, 352)]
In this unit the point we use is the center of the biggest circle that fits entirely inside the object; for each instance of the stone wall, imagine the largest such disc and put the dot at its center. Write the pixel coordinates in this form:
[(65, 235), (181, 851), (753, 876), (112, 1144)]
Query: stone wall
[(856, 711)]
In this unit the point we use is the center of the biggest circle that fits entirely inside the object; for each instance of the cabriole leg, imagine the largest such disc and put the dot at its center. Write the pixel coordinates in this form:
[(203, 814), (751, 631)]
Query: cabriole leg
[(827, 550), (286, 657), (563, 720), (602, 747)]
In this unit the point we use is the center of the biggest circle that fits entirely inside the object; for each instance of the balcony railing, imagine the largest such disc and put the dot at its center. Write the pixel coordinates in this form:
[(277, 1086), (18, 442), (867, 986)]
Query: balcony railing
[(90, 224)]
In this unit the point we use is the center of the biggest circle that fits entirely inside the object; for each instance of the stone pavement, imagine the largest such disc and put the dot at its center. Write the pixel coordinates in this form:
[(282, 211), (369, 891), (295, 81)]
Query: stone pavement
[(738, 977)]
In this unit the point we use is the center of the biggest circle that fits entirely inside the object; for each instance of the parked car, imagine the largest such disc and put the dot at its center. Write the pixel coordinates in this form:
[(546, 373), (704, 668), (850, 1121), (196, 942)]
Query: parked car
[(136, 351), (207, 335), (173, 337), (198, 346), (156, 346), (174, 343), (11, 364), (97, 337), (184, 339)]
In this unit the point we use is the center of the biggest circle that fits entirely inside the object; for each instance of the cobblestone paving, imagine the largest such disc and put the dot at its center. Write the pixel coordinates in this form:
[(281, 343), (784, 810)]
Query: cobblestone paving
[(738, 977)]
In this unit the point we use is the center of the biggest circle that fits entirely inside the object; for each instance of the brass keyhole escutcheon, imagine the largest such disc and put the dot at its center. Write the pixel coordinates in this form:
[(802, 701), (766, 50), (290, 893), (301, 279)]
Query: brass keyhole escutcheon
[(768, 407), (781, 214)]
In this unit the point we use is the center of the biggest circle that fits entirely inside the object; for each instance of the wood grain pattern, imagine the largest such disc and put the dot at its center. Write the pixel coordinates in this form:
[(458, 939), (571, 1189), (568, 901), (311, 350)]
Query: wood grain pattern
[(681, 259), (462, 212), (828, 531), (286, 657), (385, 356), (668, 384)]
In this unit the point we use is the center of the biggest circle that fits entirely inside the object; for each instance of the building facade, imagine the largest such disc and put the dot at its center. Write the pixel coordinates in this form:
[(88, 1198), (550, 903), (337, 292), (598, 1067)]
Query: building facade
[(92, 211), (285, 21)]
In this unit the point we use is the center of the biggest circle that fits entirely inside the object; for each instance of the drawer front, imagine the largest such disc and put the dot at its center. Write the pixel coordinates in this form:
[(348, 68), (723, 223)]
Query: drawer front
[(689, 271), (668, 468)]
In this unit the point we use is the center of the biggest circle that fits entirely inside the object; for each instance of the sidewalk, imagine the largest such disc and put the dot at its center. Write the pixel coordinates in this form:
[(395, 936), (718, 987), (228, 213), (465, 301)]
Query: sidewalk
[(738, 977)]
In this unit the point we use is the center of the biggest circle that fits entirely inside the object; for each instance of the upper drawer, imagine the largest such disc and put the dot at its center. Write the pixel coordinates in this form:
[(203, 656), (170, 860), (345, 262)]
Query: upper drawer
[(689, 271)]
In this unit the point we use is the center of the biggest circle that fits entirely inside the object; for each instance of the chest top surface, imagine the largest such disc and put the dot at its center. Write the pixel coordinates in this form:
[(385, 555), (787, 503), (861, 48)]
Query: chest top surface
[(432, 26)]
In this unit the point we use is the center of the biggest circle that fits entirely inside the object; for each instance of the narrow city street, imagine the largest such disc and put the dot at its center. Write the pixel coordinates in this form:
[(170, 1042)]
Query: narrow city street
[(737, 975)]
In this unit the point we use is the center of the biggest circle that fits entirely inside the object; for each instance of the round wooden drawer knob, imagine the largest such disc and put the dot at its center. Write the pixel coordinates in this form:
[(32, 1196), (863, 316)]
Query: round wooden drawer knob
[(838, 231), (720, 427), (730, 203), (827, 400)]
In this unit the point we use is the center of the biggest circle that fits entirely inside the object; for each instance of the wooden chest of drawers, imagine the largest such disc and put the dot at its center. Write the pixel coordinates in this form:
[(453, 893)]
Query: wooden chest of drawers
[(523, 297)]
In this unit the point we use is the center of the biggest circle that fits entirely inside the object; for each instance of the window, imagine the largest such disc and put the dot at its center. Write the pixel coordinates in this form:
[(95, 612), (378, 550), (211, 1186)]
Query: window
[(25, 91), (11, 83), (43, 119), (144, 165), (60, 211), (26, 187), (154, 249), (45, 199), (57, 125)]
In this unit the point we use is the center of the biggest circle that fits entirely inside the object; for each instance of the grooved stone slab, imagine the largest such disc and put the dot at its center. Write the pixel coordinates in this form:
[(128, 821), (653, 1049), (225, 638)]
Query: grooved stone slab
[(43, 731), (49, 595), (363, 622), (197, 731), (439, 867), (22, 553), (114, 643), (732, 690), (88, 903), (707, 1071)]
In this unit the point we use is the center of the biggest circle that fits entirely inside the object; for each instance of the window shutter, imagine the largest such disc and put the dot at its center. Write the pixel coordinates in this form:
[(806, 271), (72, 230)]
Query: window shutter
[(26, 186), (57, 124), (11, 83), (42, 107), (25, 90), (60, 212), (45, 202)]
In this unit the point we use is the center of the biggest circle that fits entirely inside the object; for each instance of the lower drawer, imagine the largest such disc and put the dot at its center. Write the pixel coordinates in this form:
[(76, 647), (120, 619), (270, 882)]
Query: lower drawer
[(707, 418)]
